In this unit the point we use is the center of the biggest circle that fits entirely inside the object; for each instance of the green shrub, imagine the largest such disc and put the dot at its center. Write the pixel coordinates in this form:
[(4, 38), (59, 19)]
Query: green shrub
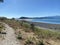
[(19, 36), (26, 25), (40, 43), (1, 27), (32, 27), (29, 42), (47, 33)]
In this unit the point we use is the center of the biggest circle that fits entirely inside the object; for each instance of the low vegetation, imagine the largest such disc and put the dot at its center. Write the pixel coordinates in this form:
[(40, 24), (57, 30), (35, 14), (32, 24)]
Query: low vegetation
[(1, 31), (24, 30), (11, 22), (47, 34), (40, 33), (1, 27), (29, 42), (19, 36)]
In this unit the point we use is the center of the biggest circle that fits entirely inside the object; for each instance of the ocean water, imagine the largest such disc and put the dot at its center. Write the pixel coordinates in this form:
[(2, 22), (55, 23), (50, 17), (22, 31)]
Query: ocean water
[(52, 21)]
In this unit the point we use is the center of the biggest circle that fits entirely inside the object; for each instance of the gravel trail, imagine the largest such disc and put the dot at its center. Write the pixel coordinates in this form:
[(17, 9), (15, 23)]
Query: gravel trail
[(9, 37)]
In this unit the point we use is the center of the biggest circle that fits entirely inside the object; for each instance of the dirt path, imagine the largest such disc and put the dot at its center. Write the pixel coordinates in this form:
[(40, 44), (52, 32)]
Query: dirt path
[(10, 37)]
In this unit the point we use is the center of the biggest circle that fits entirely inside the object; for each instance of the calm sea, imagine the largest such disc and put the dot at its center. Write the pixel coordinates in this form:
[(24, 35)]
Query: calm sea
[(52, 21)]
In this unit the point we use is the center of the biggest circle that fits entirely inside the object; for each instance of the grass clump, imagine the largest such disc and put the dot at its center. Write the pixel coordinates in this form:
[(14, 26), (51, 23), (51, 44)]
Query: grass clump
[(26, 25), (29, 42), (32, 27), (13, 23), (19, 36), (47, 34), (1, 27), (33, 41), (40, 43)]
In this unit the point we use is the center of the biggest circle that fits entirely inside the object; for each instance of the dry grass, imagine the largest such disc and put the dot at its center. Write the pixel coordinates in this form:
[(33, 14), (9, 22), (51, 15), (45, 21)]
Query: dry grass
[(1, 31), (25, 34), (13, 23), (47, 34), (31, 38), (38, 35), (1, 27)]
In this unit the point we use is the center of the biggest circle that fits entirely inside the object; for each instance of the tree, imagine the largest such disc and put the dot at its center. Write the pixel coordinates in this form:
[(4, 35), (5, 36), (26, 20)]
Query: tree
[(3, 18), (13, 18), (1, 0), (32, 26)]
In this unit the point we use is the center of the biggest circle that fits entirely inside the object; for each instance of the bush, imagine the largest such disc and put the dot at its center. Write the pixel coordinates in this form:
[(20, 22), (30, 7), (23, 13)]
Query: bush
[(19, 36), (40, 43), (32, 27), (26, 25), (29, 42), (47, 34), (1, 27)]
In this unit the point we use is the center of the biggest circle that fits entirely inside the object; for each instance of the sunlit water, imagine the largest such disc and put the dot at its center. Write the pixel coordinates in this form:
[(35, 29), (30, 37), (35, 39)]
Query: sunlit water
[(52, 21)]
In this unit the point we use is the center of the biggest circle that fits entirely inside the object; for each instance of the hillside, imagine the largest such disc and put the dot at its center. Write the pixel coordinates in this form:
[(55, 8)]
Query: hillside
[(28, 34), (48, 17)]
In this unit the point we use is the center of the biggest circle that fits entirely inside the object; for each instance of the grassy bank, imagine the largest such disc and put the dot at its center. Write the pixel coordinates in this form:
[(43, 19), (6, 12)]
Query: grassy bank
[(47, 34), (35, 36), (41, 32), (28, 33), (11, 22)]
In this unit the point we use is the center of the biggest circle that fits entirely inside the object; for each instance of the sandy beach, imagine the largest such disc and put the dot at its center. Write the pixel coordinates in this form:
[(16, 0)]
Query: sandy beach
[(47, 25)]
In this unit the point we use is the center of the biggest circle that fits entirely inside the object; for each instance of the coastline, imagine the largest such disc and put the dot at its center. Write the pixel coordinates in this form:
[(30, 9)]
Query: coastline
[(46, 25)]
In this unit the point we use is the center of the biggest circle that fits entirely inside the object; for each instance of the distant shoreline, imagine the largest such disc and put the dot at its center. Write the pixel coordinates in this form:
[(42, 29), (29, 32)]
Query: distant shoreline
[(46, 25)]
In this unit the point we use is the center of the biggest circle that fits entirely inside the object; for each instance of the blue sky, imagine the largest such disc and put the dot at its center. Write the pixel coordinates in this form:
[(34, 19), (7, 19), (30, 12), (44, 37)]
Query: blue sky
[(29, 8)]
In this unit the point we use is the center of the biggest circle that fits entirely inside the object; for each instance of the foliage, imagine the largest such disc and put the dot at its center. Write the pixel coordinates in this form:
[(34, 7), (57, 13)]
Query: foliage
[(1, 27), (40, 32), (1, 0), (26, 25), (40, 43), (32, 26), (19, 36), (28, 42), (47, 34)]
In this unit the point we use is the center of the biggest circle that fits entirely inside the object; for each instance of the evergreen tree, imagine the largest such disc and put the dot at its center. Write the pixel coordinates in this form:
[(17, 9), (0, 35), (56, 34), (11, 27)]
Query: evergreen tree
[(32, 26), (1, 0)]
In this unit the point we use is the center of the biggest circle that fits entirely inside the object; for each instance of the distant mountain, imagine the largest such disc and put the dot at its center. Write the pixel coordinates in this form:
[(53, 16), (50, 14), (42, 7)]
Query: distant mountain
[(50, 17), (24, 18), (57, 17)]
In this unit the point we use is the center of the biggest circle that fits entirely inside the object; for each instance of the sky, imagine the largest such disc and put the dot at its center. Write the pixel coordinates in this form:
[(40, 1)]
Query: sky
[(29, 8)]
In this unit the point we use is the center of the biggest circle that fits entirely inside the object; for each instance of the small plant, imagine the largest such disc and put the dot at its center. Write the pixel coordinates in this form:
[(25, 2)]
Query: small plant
[(19, 36), (26, 25), (21, 23), (32, 27), (1, 27), (29, 42), (40, 43)]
